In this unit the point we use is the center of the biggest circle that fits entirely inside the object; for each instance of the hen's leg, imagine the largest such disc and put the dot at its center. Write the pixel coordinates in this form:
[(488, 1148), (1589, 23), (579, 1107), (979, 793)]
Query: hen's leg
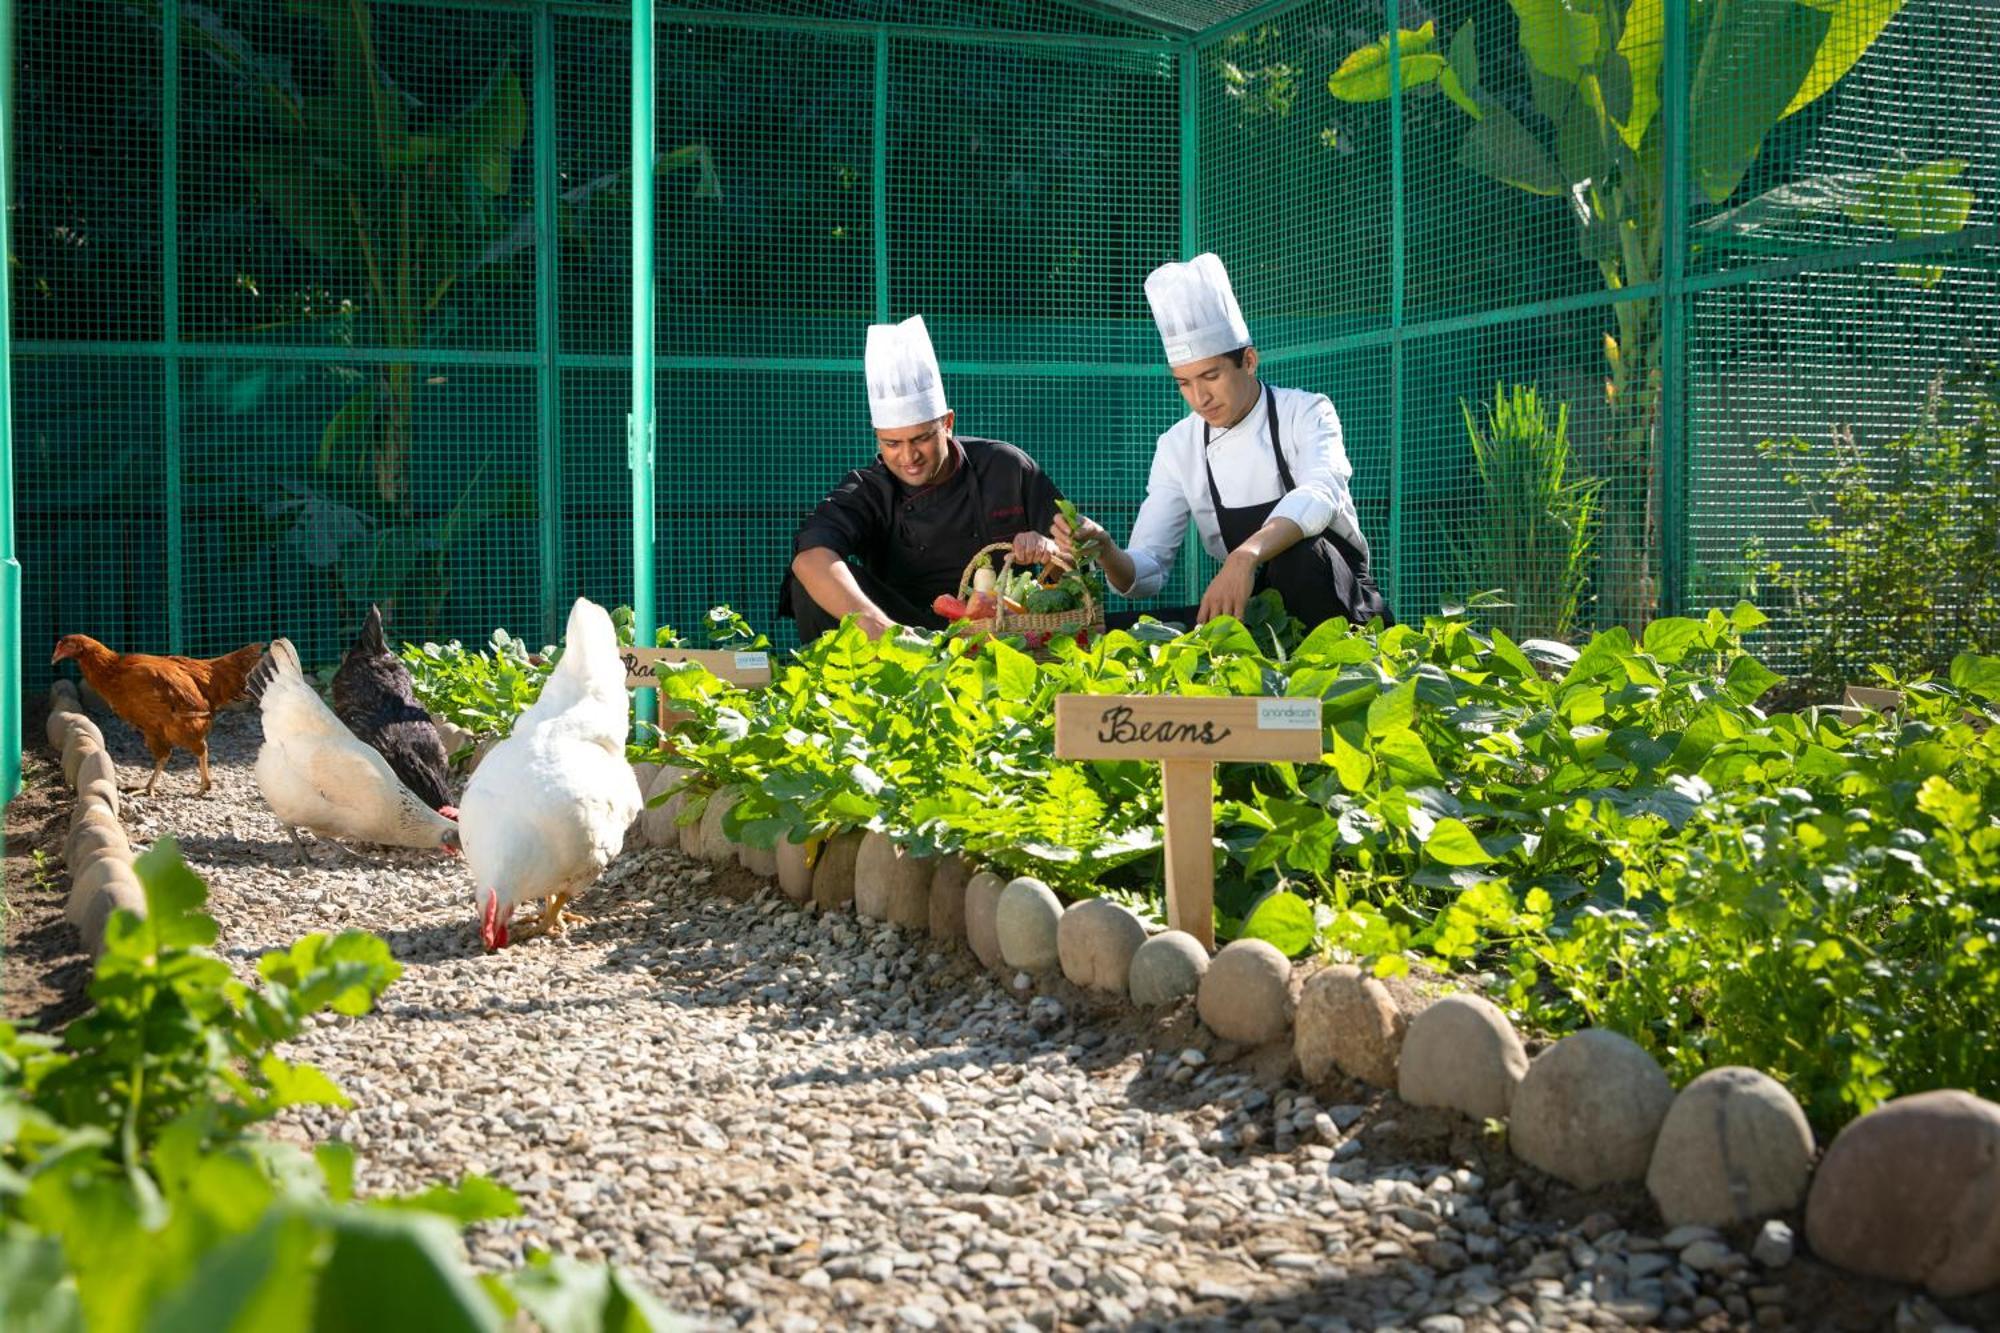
[(201, 761), (299, 843), (159, 767), (551, 922), (565, 916)]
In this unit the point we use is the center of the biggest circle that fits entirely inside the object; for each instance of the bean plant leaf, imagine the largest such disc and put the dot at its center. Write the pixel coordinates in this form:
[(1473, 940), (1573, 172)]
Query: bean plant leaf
[(1283, 919), (1453, 844), (1976, 674), (1393, 711)]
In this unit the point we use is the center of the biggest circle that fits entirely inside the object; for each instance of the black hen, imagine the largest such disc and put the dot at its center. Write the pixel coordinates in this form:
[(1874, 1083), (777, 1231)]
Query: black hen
[(373, 695)]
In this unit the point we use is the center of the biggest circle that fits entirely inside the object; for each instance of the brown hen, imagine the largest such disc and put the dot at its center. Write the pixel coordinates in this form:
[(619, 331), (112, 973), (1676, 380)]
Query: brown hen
[(172, 701)]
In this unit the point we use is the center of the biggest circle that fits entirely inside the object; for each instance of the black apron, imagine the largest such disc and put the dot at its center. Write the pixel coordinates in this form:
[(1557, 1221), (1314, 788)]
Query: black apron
[(1319, 578)]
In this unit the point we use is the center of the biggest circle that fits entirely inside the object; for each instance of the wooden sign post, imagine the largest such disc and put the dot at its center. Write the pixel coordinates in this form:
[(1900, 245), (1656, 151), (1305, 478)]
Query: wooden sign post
[(749, 670), (1189, 736)]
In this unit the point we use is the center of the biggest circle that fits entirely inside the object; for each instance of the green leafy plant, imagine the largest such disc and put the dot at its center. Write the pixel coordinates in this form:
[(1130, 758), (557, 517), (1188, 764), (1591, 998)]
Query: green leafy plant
[(1906, 572), (1591, 136), (134, 1194), (482, 691), (1829, 912), (1619, 832), (1535, 535)]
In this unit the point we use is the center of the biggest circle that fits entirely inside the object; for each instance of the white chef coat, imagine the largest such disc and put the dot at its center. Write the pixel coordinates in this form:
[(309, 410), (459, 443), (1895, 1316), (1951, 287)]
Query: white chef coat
[(1246, 473)]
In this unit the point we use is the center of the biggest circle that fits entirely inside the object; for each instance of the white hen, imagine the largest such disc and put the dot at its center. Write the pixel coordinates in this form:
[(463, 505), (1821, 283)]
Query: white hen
[(547, 808), (315, 774)]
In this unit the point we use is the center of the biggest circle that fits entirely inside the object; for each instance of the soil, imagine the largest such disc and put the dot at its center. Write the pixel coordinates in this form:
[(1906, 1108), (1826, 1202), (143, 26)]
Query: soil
[(44, 971)]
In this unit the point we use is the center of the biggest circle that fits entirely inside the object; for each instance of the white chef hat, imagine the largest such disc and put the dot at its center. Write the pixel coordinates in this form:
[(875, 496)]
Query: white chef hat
[(904, 386), (1196, 310)]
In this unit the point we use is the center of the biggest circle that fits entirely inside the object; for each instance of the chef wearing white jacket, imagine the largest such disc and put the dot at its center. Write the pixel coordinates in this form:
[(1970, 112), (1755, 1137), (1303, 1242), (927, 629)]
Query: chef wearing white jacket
[(1260, 471)]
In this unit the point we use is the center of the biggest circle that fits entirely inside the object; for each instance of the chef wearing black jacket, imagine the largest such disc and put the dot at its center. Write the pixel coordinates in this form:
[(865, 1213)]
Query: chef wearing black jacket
[(894, 535)]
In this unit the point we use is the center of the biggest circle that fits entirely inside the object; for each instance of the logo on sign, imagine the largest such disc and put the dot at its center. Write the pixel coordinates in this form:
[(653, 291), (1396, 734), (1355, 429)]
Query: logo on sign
[(752, 661), (1118, 727), (1287, 715)]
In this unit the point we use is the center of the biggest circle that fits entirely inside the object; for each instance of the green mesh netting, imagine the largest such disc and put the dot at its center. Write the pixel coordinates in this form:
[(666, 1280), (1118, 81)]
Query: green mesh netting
[(283, 346)]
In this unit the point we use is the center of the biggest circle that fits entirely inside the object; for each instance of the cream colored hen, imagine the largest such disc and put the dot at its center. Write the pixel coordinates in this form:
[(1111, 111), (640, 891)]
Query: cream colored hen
[(316, 774)]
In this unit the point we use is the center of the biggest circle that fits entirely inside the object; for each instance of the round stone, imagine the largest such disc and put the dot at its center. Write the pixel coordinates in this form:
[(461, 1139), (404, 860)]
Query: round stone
[(833, 873), (481, 748), (890, 884), (715, 846), (795, 876), (1028, 919), (947, 900), (1462, 1054), (1589, 1109), (982, 917), (657, 821), (1095, 941), (93, 830), (636, 836), (1735, 1148), (56, 729), (81, 742), (105, 887), (759, 861), (1911, 1192), (98, 790), (1246, 994), (1167, 968), (457, 738), (1348, 1021), (96, 766), (94, 877)]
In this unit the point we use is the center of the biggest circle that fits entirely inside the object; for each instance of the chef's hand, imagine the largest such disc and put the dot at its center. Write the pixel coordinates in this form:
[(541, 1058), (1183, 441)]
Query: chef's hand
[(1068, 543), (1229, 591), (875, 624), (1033, 548)]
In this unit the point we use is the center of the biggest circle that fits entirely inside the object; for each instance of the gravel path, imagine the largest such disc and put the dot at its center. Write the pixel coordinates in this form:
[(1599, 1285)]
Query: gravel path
[(788, 1122)]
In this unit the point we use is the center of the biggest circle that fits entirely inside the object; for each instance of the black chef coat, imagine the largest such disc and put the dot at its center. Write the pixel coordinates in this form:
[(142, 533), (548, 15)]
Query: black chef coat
[(918, 540)]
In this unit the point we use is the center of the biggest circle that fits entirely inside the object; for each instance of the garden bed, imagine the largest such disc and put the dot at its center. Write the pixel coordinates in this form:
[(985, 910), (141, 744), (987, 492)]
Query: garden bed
[(735, 1098)]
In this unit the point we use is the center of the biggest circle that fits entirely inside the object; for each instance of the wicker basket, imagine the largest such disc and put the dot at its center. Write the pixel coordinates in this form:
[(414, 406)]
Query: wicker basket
[(1054, 624)]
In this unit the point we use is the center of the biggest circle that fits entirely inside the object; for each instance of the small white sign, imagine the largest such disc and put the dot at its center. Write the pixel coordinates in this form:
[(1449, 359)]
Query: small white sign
[(1288, 715), (753, 661)]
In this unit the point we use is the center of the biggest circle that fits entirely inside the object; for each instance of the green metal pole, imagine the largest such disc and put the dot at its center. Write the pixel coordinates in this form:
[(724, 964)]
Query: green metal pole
[(1673, 464), (1395, 581), (10, 568), (170, 317), (640, 431), (548, 458), (879, 174), (1187, 578)]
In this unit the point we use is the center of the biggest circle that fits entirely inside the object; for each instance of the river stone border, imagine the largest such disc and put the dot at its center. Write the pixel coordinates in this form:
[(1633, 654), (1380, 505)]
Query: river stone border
[(96, 850), (1707, 1130)]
